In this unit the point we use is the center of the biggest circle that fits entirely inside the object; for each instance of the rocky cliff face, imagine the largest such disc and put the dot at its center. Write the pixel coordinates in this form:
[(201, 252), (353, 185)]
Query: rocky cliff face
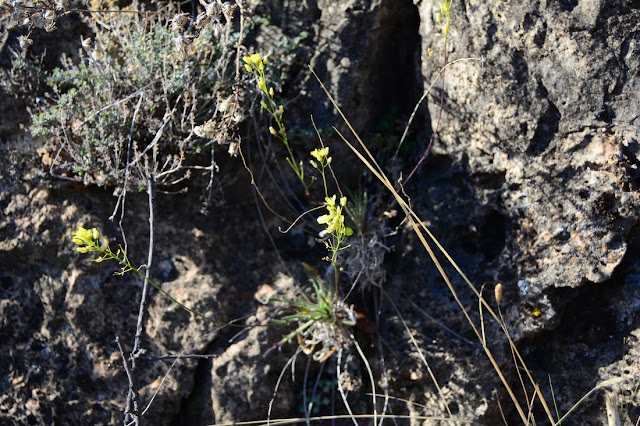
[(531, 181)]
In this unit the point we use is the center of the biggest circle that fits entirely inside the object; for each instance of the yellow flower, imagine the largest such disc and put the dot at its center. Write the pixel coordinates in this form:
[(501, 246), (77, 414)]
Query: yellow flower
[(334, 220), (272, 130), (254, 61), (330, 202), (86, 239), (320, 154)]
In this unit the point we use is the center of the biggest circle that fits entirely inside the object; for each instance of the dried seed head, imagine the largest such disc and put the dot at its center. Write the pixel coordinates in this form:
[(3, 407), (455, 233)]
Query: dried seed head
[(179, 42), (227, 9), (237, 117), (24, 41), (49, 15), (182, 42), (97, 54), (234, 147), (498, 292), (212, 9), (201, 20), (179, 22), (349, 382), (226, 104), (205, 131), (86, 42)]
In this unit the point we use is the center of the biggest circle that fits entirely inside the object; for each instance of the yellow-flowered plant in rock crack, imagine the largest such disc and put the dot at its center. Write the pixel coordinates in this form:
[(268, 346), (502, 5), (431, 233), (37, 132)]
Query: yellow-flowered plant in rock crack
[(323, 317), (90, 240), (334, 219), (255, 64)]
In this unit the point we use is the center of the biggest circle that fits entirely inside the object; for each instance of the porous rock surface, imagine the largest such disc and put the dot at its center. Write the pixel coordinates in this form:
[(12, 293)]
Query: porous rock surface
[(532, 181)]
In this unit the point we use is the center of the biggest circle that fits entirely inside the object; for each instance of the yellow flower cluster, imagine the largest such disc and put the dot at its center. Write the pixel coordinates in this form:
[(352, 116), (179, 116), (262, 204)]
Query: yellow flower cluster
[(255, 65), (254, 61), (86, 239), (320, 154), (89, 240), (335, 219)]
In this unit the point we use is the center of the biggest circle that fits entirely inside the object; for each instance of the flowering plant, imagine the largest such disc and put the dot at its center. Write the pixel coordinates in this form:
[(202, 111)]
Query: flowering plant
[(255, 64)]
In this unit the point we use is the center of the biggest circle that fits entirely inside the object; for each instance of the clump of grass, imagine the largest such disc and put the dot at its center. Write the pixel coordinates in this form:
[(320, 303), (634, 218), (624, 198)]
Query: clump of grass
[(323, 319)]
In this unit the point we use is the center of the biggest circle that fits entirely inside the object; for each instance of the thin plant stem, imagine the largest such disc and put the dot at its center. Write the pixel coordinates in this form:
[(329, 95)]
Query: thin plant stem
[(307, 408), (133, 396), (435, 130), (555, 404), (342, 394)]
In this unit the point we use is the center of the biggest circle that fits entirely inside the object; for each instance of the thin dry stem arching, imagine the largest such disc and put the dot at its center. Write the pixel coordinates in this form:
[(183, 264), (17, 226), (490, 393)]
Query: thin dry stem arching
[(422, 357), (297, 420), (290, 361), (604, 384), (300, 217), (341, 389), (431, 318), (424, 96), (155, 393), (370, 373), (257, 189)]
